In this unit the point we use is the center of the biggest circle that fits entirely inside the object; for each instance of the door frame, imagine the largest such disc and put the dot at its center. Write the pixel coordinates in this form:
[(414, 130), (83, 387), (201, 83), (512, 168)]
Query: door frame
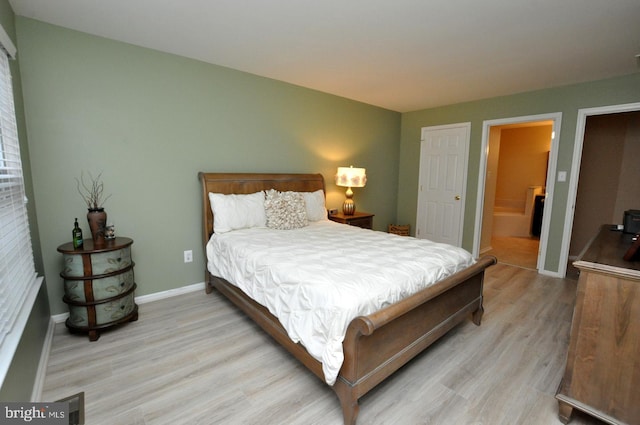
[(581, 124), (556, 117), (465, 166)]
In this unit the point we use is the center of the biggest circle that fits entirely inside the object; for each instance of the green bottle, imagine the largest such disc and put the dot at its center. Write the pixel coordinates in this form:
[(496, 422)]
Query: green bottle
[(77, 235)]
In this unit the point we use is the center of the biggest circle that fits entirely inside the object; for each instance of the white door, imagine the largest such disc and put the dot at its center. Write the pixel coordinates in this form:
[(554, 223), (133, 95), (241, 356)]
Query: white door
[(442, 183)]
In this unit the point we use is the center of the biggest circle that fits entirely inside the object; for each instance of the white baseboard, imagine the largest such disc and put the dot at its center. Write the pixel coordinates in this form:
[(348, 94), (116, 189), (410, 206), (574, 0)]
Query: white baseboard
[(143, 299), (550, 273), (169, 293), (59, 318), (485, 250), (36, 393)]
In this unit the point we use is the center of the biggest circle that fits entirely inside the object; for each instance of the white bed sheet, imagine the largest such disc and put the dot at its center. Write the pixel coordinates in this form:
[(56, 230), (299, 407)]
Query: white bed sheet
[(317, 279)]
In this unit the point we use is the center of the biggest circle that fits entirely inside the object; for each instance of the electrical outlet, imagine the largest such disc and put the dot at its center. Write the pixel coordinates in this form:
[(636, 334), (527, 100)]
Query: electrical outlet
[(188, 256)]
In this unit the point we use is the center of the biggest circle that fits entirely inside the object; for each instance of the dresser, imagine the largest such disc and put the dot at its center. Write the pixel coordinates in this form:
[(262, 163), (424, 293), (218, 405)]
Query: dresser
[(602, 373), (360, 219), (98, 285)]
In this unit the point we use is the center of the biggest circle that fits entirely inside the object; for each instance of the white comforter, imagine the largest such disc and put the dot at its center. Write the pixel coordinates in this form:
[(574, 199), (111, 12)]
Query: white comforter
[(316, 279)]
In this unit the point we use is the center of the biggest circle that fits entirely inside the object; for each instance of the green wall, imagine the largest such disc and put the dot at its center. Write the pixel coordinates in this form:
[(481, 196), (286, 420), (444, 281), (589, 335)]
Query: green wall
[(20, 379), (567, 100), (149, 121)]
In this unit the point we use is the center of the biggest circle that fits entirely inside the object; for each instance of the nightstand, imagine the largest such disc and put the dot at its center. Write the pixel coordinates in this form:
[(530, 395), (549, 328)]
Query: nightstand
[(98, 285), (360, 219)]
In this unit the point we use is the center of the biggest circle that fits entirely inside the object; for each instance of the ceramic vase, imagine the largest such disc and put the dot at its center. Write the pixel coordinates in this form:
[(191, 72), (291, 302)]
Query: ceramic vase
[(97, 219)]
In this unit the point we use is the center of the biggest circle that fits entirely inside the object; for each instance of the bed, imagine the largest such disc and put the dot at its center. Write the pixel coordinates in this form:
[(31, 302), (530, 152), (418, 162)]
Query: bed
[(374, 345)]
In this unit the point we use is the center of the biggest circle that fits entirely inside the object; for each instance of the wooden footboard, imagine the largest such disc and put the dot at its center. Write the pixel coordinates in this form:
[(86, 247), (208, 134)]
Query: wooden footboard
[(377, 345)]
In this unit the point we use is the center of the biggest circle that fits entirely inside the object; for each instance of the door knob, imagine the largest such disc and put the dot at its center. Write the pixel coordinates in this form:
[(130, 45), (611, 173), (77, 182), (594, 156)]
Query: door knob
[(457, 197)]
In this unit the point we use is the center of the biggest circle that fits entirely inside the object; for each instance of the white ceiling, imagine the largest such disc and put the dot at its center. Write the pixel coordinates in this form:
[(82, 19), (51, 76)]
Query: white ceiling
[(403, 55)]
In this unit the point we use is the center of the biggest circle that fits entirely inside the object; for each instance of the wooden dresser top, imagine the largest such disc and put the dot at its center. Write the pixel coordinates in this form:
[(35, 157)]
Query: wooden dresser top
[(604, 253)]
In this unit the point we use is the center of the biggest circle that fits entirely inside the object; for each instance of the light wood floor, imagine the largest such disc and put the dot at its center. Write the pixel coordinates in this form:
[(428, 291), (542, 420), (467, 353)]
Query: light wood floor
[(195, 359)]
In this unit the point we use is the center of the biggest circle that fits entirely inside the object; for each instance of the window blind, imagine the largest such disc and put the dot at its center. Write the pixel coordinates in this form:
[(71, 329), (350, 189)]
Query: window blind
[(17, 270)]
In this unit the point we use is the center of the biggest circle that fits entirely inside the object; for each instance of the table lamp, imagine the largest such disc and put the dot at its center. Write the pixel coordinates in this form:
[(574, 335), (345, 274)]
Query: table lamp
[(350, 177)]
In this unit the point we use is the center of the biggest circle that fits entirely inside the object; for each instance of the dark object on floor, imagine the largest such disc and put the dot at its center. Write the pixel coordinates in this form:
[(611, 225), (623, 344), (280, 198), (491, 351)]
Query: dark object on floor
[(76, 408)]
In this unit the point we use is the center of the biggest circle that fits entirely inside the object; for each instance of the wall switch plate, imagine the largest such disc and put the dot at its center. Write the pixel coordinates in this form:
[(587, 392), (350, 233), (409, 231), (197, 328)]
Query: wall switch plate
[(188, 256), (333, 211)]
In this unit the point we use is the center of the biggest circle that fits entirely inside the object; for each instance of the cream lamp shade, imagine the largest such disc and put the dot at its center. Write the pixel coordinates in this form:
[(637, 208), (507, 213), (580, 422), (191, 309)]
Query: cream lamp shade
[(350, 177)]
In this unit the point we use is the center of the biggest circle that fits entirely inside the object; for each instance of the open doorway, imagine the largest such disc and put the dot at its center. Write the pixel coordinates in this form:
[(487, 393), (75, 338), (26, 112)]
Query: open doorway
[(519, 157), (604, 175), (515, 193)]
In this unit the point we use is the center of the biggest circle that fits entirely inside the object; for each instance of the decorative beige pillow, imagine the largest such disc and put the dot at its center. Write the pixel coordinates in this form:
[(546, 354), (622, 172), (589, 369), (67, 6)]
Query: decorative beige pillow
[(285, 210)]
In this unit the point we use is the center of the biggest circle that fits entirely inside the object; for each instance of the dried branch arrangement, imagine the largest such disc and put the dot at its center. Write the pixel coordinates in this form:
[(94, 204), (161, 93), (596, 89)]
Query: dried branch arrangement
[(92, 190)]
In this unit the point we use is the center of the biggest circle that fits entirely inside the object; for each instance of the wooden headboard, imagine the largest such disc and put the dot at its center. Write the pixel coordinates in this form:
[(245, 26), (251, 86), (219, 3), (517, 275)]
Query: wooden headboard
[(244, 183)]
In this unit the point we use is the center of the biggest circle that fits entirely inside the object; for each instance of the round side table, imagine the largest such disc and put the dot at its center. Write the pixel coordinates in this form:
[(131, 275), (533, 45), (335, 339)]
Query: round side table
[(98, 285)]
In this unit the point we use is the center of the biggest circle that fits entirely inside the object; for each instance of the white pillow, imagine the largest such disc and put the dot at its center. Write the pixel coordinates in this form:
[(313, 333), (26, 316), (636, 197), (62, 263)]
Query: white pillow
[(232, 212), (285, 210), (316, 209)]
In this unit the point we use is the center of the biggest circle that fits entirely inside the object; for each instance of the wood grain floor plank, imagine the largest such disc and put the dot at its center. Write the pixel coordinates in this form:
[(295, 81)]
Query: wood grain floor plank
[(196, 359)]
